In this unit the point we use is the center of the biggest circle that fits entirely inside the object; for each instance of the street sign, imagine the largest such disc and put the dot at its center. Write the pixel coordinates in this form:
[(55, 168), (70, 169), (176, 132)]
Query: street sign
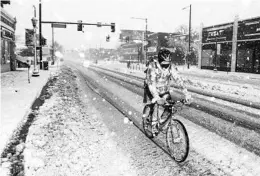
[(56, 25)]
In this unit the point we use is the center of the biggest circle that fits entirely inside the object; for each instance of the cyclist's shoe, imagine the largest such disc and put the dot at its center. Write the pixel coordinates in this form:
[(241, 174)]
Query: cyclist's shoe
[(155, 128), (146, 111)]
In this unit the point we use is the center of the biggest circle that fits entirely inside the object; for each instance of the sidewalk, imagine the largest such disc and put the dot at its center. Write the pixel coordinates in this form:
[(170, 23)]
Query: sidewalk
[(17, 96)]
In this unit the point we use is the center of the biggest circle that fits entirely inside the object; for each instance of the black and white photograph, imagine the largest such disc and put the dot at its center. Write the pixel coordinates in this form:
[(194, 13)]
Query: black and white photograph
[(130, 88)]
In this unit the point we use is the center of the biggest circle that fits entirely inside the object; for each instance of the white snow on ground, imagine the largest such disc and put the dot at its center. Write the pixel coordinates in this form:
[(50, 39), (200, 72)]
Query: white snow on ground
[(227, 155), (17, 96), (245, 91)]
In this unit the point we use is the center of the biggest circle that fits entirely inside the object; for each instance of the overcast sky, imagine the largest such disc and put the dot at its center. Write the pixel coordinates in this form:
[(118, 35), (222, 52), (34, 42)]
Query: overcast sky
[(163, 16)]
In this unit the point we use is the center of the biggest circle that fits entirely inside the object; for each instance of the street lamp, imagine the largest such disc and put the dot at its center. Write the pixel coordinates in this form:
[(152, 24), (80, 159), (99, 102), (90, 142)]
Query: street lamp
[(34, 23), (189, 33), (145, 36)]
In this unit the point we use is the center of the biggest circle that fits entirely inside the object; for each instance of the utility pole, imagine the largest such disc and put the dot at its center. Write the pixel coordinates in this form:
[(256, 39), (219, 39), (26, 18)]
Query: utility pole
[(52, 44), (40, 29), (189, 49), (145, 37), (216, 54), (189, 39)]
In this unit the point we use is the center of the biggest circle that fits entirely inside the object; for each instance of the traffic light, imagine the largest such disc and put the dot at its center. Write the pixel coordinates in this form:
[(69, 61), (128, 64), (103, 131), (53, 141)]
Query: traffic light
[(145, 48), (113, 27), (149, 43), (127, 39), (43, 42), (107, 38), (80, 26)]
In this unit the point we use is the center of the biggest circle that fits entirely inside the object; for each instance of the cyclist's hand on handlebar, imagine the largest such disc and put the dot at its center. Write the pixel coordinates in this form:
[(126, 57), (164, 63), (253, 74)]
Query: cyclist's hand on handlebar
[(155, 99), (162, 101)]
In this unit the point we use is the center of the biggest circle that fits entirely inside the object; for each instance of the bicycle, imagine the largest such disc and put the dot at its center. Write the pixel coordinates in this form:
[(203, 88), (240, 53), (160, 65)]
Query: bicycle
[(176, 133)]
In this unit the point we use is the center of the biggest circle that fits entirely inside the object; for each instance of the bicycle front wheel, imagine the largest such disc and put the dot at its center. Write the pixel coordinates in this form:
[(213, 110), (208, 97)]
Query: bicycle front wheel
[(177, 140), (147, 121)]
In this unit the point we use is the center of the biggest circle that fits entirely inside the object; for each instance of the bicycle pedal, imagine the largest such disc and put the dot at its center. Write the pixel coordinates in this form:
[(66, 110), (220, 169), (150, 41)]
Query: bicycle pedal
[(155, 134), (177, 140)]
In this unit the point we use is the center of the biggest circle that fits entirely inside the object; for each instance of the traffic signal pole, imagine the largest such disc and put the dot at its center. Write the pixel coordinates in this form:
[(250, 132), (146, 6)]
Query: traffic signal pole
[(93, 24), (64, 23), (40, 30)]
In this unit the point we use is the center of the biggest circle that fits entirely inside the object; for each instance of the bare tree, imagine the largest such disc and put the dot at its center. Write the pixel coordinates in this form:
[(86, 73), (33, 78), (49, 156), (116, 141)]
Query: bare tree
[(58, 47), (181, 43)]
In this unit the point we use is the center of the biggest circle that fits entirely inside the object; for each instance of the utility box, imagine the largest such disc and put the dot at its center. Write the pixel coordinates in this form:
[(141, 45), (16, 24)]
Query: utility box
[(45, 65)]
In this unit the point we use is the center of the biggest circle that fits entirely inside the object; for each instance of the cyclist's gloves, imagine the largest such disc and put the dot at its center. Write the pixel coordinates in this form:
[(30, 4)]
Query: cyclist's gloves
[(155, 99), (160, 101)]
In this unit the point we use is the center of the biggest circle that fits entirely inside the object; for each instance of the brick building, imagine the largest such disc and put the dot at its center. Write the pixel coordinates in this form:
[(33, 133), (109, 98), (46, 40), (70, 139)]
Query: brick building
[(8, 24)]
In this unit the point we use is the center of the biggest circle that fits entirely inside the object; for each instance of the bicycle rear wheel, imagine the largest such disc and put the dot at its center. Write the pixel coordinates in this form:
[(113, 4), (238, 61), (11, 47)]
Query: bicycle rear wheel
[(177, 140)]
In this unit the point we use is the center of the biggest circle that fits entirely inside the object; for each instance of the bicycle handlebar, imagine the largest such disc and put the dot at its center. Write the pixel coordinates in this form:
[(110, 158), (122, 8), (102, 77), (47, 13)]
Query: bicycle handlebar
[(171, 102)]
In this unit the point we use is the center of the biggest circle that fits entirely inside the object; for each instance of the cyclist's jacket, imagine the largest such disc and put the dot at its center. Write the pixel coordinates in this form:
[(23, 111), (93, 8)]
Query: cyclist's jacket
[(158, 79)]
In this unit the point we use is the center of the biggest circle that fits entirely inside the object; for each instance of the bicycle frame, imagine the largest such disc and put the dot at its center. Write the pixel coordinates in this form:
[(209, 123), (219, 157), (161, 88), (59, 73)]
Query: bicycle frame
[(172, 107)]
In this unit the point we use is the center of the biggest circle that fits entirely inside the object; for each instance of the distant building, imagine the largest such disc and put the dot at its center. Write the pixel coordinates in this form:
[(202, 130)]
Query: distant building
[(131, 52), (8, 24), (233, 46), (132, 46), (159, 40)]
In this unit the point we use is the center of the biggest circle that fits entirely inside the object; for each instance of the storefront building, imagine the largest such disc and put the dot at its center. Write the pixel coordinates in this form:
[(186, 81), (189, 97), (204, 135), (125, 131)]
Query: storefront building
[(8, 24), (231, 47), (159, 40), (132, 48)]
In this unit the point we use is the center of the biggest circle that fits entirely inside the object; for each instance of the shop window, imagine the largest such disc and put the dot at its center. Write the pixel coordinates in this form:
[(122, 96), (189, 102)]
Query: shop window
[(5, 57), (257, 58), (225, 56), (3, 52), (7, 53), (244, 60), (207, 57)]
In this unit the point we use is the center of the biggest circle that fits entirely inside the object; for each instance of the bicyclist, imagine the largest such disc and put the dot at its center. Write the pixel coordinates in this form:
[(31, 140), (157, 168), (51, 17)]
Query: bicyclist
[(159, 72)]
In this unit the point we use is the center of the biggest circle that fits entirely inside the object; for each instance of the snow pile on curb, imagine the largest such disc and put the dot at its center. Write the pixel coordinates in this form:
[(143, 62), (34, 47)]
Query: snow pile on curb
[(67, 137)]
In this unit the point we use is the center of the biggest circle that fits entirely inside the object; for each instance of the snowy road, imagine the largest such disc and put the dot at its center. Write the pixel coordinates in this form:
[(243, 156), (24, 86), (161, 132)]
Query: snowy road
[(221, 154), (78, 132)]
